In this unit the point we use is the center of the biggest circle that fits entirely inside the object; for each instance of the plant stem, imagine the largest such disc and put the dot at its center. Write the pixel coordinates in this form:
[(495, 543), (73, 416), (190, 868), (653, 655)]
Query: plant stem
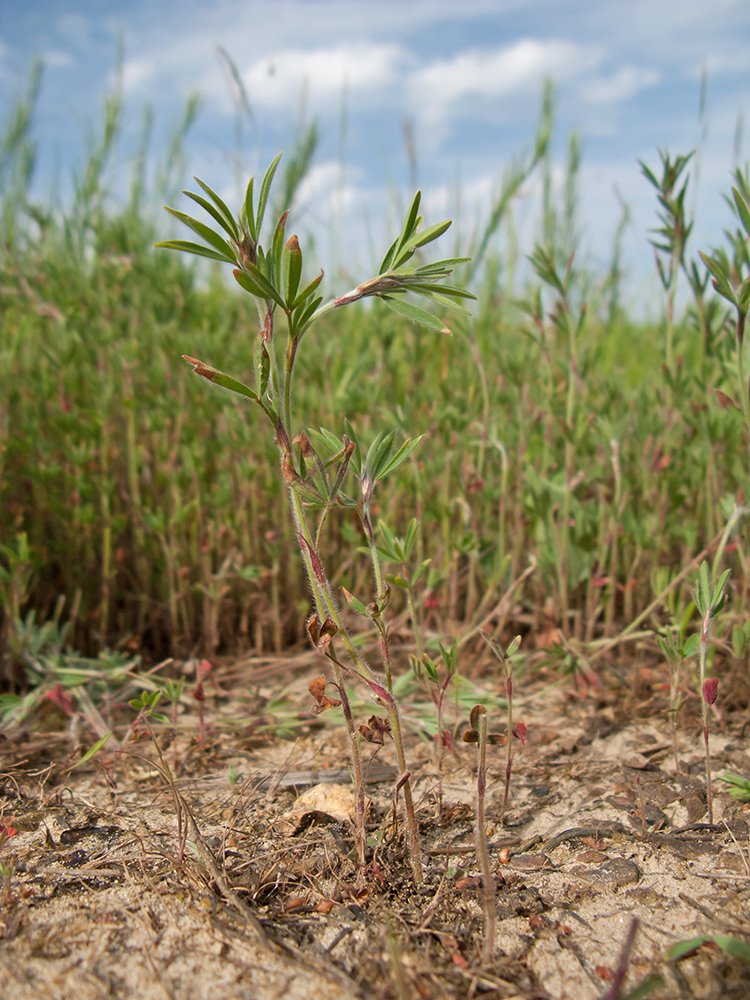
[(327, 608), (704, 708), (509, 744), (483, 856)]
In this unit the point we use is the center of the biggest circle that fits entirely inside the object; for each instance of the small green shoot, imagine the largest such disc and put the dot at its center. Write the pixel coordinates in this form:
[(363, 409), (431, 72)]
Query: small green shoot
[(675, 648), (439, 685), (709, 599), (506, 658)]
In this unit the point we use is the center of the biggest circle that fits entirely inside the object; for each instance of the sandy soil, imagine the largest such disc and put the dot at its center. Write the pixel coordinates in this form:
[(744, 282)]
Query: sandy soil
[(249, 888)]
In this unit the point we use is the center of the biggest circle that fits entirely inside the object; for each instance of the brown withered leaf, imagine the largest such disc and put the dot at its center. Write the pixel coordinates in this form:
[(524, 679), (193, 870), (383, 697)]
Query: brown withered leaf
[(724, 400), (317, 689), (375, 730), (313, 629)]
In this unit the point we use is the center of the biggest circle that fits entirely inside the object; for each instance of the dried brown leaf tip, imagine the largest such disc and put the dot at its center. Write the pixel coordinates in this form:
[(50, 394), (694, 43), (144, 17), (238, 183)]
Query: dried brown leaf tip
[(375, 730), (725, 401), (317, 689)]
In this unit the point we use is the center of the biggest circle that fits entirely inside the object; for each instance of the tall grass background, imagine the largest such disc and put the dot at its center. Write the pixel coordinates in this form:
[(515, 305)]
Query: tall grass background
[(571, 474)]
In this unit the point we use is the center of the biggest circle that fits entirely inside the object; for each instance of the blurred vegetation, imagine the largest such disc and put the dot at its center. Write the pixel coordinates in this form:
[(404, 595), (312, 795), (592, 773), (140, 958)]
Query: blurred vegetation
[(560, 432)]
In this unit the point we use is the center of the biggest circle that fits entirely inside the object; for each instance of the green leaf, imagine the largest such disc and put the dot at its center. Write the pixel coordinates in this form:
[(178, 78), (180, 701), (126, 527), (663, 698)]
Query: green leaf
[(741, 789), (378, 451), (229, 227), (265, 189), (291, 270), (231, 224), (411, 535), (449, 291), (408, 228), (89, 753), (704, 591), (441, 300), (307, 291), (250, 211), (254, 281), (691, 645), (195, 248), (418, 239), (304, 313), (651, 982), (206, 233), (683, 948), (388, 258), (277, 250), (219, 378), (400, 457), (441, 265), (732, 946), (355, 604), (742, 210), (265, 371), (720, 278), (415, 314)]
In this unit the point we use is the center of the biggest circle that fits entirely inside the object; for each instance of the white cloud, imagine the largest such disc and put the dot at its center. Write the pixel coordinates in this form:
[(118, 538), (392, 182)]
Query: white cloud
[(731, 60), (57, 59), (621, 85), (136, 72), (441, 86), (276, 80)]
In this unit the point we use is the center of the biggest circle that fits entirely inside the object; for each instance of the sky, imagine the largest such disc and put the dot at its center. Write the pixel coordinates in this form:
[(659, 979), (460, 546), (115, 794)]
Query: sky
[(458, 82)]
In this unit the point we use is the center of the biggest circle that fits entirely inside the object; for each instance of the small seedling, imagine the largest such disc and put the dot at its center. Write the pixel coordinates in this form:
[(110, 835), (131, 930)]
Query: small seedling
[(173, 692), (443, 738), (478, 734), (505, 657), (145, 708), (398, 550), (675, 648), (709, 600)]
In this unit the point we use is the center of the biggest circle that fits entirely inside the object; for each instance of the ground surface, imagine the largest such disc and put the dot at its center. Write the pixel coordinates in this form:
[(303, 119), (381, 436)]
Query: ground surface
[(259, 897)]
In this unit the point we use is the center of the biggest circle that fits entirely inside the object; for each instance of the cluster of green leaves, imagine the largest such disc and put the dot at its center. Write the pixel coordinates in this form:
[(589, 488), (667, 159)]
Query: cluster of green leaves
[(673, 233)]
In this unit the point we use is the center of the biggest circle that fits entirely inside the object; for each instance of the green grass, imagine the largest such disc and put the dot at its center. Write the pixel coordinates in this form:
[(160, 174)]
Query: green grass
[(154, 505)]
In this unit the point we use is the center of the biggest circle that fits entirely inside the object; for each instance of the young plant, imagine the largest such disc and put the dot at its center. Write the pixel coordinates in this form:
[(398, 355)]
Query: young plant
[(478, 734), (675, 648), (273, 276), (173, 692), (145, 708), (440, 684), (398, 550), (710, 599), (505, 656)]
